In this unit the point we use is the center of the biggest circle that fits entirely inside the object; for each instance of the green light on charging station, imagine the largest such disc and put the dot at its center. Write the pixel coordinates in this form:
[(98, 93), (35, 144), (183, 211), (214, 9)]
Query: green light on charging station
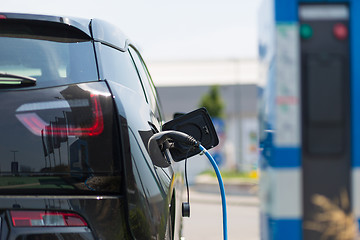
[(306, 31)]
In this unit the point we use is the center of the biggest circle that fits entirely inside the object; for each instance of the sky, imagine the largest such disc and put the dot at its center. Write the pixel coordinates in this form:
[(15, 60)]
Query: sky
[(164, 29)]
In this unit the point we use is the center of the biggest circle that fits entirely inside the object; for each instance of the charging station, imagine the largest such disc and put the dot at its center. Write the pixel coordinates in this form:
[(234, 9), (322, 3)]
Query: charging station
[(309, 118)]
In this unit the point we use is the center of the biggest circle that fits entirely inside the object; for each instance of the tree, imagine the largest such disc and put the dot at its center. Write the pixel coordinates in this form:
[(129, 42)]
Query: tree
[(213, 102)]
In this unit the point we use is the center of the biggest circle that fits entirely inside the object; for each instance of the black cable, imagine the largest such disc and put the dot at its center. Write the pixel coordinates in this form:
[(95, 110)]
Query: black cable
[(186, 181), (186, 178)]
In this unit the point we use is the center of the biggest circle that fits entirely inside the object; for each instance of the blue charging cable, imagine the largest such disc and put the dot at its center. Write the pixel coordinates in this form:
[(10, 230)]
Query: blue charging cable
[(222, 190), (161, 137)]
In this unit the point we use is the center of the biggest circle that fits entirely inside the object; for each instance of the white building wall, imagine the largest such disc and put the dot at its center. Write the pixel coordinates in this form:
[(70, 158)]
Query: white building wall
[(204, 72), (176, 76)]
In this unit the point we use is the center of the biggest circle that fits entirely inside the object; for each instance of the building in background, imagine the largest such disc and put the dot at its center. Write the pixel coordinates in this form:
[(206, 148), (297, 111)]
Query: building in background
[(181, 84)]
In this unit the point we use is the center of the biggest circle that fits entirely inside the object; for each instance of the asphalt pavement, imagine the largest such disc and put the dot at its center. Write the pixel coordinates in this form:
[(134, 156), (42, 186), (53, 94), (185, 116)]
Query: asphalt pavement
[(206, 211)]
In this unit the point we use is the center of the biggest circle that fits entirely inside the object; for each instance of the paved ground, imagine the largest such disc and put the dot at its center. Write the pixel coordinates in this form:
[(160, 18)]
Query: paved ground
[(206, 212)]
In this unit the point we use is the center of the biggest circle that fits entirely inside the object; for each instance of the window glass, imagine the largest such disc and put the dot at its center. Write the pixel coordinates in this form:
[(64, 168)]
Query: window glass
[(49, 62), (148, 85), (52, 53), (119, 67), (144, 78)]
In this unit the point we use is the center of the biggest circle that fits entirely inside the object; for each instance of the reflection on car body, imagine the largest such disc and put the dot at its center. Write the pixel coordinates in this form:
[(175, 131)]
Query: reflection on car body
[(76, 100)]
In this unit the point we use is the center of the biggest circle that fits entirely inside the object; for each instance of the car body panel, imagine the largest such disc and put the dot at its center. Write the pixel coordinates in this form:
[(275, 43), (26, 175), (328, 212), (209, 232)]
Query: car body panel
[(107, 33), (91, 134), (82, 24), (153, 198), (105, 215)]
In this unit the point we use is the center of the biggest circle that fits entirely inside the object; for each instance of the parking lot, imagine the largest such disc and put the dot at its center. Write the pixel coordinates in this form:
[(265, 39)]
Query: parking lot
[(205, 221)]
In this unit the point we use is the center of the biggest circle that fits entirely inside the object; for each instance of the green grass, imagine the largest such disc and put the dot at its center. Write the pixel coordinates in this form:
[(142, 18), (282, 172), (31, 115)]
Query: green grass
[(231, 175)]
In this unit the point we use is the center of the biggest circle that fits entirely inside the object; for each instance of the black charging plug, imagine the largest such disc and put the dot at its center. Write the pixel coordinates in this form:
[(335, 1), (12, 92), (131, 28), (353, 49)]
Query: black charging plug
[(186, 209)]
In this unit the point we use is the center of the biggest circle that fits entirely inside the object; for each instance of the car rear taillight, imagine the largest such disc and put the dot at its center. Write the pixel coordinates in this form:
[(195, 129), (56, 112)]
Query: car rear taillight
[(46, 219), (95, 128), (68, 125)]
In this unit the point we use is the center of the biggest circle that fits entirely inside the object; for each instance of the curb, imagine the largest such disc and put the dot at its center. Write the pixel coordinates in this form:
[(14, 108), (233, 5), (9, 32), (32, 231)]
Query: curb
[(251, 201), (204, 183), (206, 190)]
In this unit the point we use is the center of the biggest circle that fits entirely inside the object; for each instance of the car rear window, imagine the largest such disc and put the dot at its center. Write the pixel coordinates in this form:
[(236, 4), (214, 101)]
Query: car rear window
[(52, 53)]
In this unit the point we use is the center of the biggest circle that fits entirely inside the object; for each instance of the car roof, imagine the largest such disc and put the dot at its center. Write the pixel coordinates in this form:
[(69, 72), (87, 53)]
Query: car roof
[(109, 34), (97, 29)]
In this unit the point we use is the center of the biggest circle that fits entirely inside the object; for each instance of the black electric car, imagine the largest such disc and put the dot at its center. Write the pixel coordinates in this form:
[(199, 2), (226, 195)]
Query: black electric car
[(78, 107)]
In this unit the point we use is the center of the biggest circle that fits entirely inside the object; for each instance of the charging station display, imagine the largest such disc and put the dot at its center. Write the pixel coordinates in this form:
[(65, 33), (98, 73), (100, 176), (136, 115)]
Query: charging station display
[(325, 84)]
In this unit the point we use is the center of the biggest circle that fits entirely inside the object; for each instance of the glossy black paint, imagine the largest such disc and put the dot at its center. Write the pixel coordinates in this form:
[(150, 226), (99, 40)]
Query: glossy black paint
[(149, 189), (115, 186), (109, 34), (53, 54), (52, 161), (105, 215), (81, 24), (60, 186)]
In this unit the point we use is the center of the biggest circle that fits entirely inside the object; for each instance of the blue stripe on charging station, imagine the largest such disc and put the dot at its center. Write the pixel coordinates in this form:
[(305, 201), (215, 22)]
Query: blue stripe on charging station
[(354, 33), (323, 1), (286, 157), (355, 80), (282, 229), (355, 90), (285, 229), (286, 11)]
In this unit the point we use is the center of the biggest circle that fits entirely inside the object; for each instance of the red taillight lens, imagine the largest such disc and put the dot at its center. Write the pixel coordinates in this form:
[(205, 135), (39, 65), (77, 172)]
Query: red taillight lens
[(46, 219), (2, 16), (95, 129), (38, 126)]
